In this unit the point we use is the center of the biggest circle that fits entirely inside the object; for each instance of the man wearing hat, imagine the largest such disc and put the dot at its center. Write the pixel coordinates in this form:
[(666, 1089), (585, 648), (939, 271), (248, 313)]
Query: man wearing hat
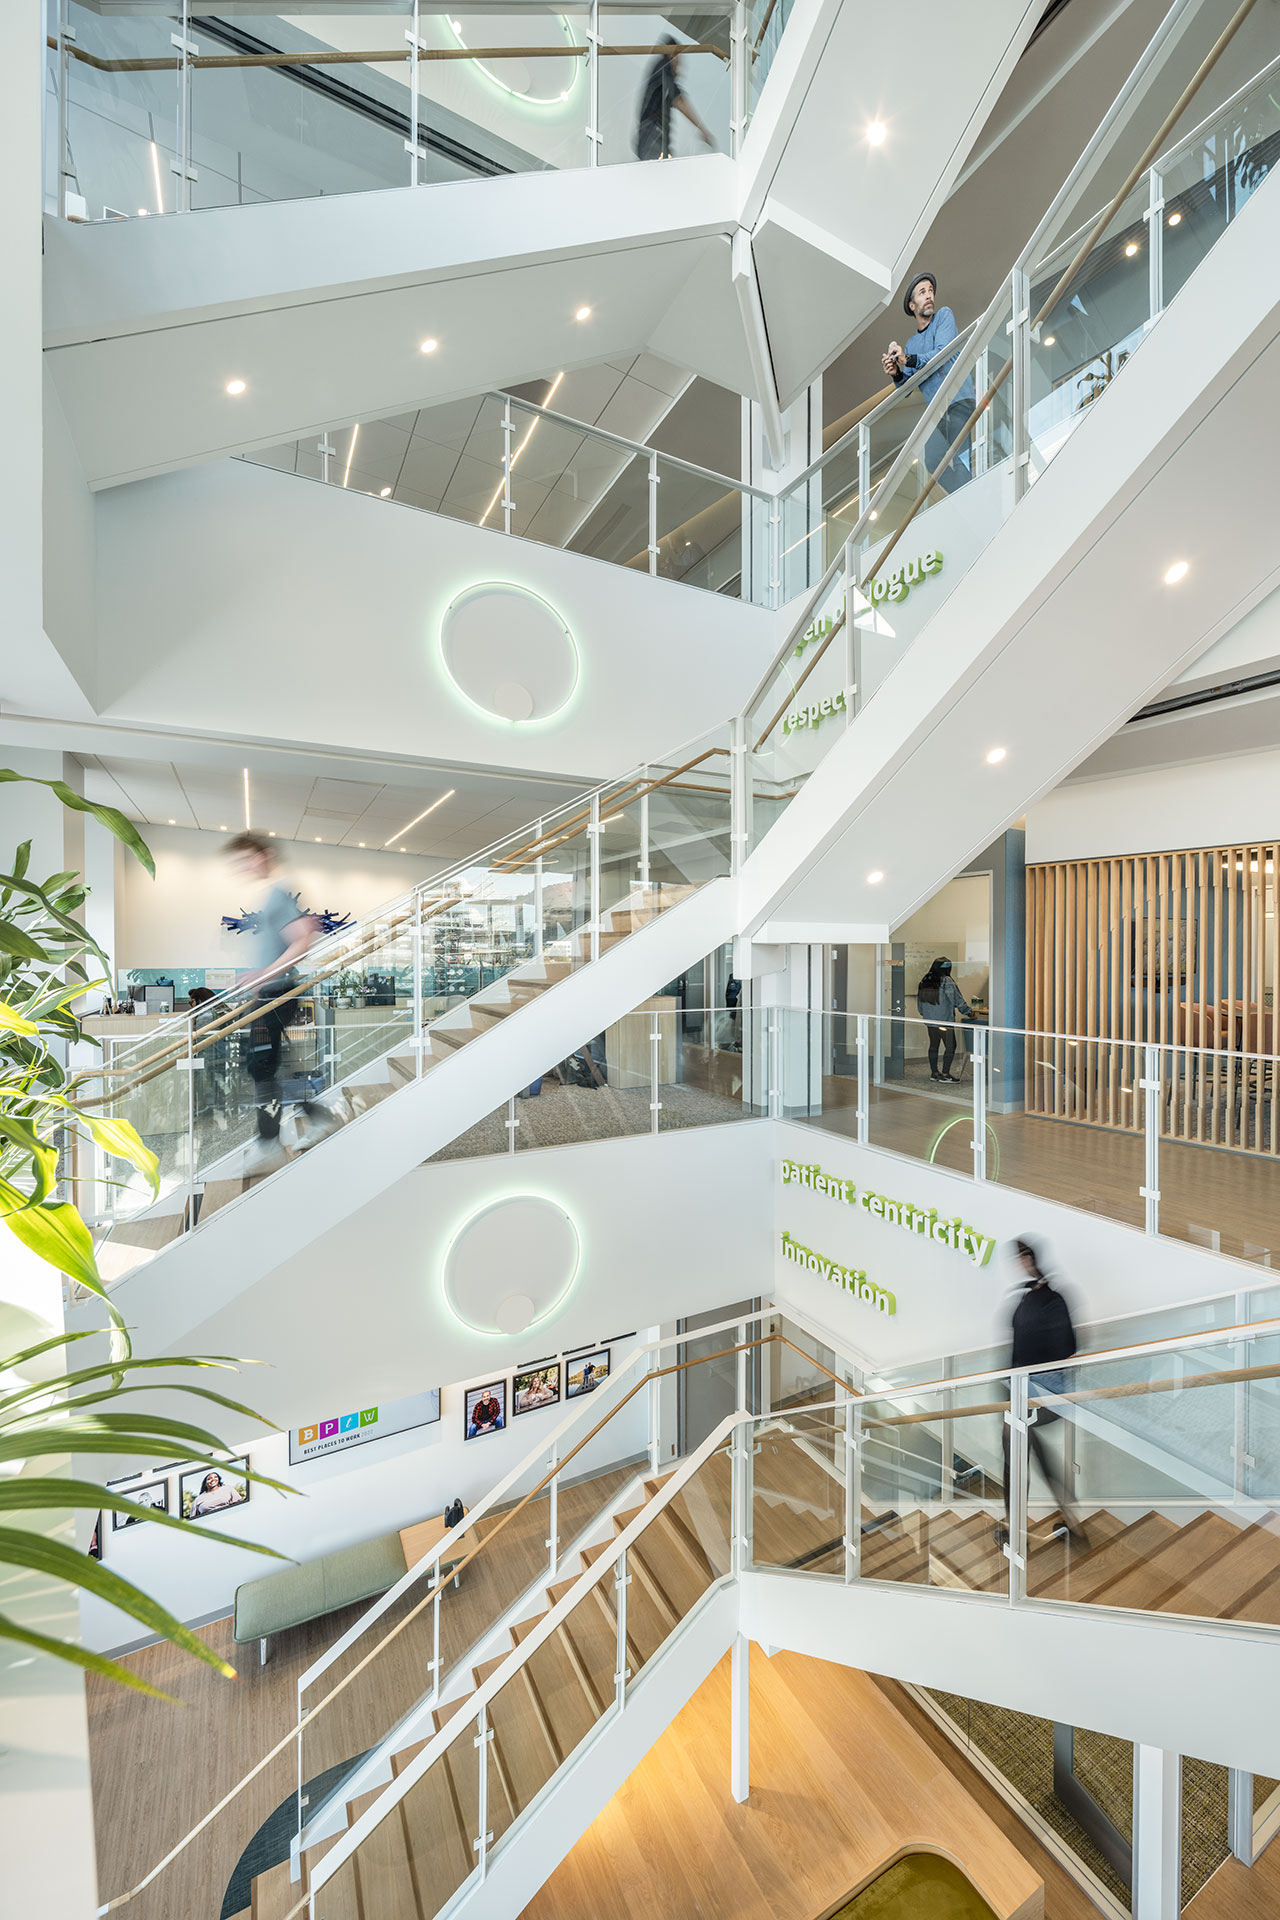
[(935, 329)]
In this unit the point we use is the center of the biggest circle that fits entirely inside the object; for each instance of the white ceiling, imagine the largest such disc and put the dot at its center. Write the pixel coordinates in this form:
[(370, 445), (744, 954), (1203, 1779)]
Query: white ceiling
[(310, 807)]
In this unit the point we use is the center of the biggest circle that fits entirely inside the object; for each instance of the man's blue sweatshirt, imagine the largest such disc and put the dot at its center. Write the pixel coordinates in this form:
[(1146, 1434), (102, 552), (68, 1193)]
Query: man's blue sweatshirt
[(921, 349)]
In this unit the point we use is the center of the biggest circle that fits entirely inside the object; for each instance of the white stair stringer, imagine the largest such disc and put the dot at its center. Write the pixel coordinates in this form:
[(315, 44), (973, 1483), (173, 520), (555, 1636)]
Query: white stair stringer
[(251, 1235)]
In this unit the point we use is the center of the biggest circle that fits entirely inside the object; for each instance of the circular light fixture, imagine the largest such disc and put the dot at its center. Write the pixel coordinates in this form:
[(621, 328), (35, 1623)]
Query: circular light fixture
[(876, 133), (508, 653), (1130, 250), (583, 313), (235, 387), (1175, 219), (384, 493), (1178, 571), (428, 346), (874, 877), (520, 74), (996, 755), (1051, 339), (525, 1233)]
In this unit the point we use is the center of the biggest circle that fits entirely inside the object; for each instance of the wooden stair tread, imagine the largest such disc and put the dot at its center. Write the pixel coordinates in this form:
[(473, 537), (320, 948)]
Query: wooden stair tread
[(385, 1886), (647, 1625), (1085, 1573), (555, 1674), (1165, 1577)]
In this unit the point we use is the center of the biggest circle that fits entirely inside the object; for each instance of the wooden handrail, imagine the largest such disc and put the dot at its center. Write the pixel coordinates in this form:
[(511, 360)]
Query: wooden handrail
[(792, 691), (1127, 1390), (374, 56), (634, 789)]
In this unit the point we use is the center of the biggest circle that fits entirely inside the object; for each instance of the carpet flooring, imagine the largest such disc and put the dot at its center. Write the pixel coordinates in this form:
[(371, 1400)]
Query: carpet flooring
[(270, 1844), (562, 1116)]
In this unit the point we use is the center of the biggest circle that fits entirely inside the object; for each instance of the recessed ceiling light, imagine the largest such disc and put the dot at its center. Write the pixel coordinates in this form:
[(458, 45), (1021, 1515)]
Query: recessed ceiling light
[(996, 755), (421, 816), (222, 828), (362, 843), (317, 839), (874, 515), (143, 212), (429, 346), (583, 313), (875, 133), (173, 823), (1130, 250), (385, 491), (1175, 219), (1178, 571), (272, 834), (1051, 339), (874, 878), (235, 386)]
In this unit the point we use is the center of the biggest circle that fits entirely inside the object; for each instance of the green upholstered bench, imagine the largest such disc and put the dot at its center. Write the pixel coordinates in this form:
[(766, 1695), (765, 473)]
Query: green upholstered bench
[(304, 1592)]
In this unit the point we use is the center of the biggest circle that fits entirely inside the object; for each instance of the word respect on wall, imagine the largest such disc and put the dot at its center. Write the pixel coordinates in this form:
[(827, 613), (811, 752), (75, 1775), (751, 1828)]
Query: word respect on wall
[(815, 713), (976, 1247)]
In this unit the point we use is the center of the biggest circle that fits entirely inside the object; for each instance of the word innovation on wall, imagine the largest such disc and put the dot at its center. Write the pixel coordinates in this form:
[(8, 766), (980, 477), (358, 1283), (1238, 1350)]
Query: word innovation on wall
[(976, 1247), (852, 1279)]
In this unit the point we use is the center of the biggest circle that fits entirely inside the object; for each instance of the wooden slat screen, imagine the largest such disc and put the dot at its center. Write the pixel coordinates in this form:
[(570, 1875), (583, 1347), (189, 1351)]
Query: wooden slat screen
[(1180, 949)]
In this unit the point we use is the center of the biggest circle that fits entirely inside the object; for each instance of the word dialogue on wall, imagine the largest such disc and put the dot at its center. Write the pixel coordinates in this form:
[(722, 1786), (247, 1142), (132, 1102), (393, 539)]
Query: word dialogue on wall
[(975, 1247), (897, 584), (851, 1279)]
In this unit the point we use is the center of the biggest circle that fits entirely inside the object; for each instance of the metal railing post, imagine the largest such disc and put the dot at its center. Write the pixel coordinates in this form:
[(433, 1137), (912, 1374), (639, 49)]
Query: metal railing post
[(433, 1665), (1150, 1084), (852, 1489), (852, 635), (594, 137), (412, 35), (775, 552), (741, 1454), (621, 1672), (655, 1415), (775, 1071), (655, 481), (66, 35), (978, 1037), (537, 897), (1016, 1435), (418, 904), (326, 449), (738, 76), (655, 1071), (1240, 1815), (553, 1515), (862, 1110), (513, 1122), (191, 1064), (1241, 1458), (644, 827), (484, 1838), (981, 442), (864, 469), (1154, 217), (507, 502), (1020, 397), (593, 835), (739, 828)]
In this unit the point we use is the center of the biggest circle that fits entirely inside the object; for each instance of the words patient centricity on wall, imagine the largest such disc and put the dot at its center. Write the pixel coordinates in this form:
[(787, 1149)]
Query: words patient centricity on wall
[(965, 1240)]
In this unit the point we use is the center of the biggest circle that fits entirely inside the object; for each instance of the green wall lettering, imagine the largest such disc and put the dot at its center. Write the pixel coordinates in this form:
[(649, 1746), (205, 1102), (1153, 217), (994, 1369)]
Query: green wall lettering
[(975, 1247)]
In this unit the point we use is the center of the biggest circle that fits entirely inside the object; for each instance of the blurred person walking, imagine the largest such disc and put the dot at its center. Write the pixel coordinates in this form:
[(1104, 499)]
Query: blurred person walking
[(281, 936), (1043, 1334), (663, 93)]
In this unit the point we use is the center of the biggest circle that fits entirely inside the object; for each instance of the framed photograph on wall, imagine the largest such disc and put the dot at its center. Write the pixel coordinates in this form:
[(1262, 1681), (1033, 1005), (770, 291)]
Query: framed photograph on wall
[(152, 1493), (208, 1490), (486, 1409), (585, 1372), (95, 1539), (536, 1387)]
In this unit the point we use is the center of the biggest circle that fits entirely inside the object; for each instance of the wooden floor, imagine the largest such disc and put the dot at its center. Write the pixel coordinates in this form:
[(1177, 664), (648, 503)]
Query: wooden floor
[(157, 1769), (1240, 1893), (1203, 1189), (841, 1785)]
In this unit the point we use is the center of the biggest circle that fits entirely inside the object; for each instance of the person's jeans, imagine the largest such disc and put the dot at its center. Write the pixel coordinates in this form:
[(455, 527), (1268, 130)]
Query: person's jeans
[(944, 1037), (266, 1044), (953, 421), (1055, 1481)]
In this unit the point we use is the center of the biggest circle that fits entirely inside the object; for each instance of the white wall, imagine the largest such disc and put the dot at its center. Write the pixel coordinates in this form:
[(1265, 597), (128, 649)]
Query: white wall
[(174, 920), (303, 612), (944, 1303), (70, 620), (343, 1499), (1251, 646), (1207, 803)]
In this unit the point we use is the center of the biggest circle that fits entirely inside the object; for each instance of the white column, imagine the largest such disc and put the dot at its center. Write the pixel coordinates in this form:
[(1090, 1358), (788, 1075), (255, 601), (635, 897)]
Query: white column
[(1157, 1833), (740, 1718), (102, 854)]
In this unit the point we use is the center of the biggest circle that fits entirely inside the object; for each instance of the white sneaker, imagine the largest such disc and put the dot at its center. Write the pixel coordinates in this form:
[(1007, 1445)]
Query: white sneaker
[(262, 1157), (313, 1127)]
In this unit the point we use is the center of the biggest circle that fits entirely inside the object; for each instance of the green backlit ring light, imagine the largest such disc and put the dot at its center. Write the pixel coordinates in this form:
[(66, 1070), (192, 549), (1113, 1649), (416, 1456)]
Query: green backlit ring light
[(993, 1143), (529, 100), (495, 1206)]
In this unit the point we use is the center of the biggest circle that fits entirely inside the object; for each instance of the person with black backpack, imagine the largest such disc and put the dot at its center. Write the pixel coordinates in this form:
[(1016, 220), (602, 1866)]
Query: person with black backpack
[(938, 1001), (1042, 1336)]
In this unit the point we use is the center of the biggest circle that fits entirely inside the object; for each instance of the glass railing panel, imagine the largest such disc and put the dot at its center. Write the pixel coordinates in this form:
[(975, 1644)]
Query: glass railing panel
[(920, 1096), (706, 1065), (699, 523), (690, 818), (120, 151), (677, 1559), (560, 478), (647, 94), (292, 131), (474, 488), (1224, 1099), (519, 101), (932, 1488), (1205, 184), (800, 710), (842, 500), (603, 503), (798, 1491), (766, 20), (425, 1843), (599, 1091), (1065, 1120)]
